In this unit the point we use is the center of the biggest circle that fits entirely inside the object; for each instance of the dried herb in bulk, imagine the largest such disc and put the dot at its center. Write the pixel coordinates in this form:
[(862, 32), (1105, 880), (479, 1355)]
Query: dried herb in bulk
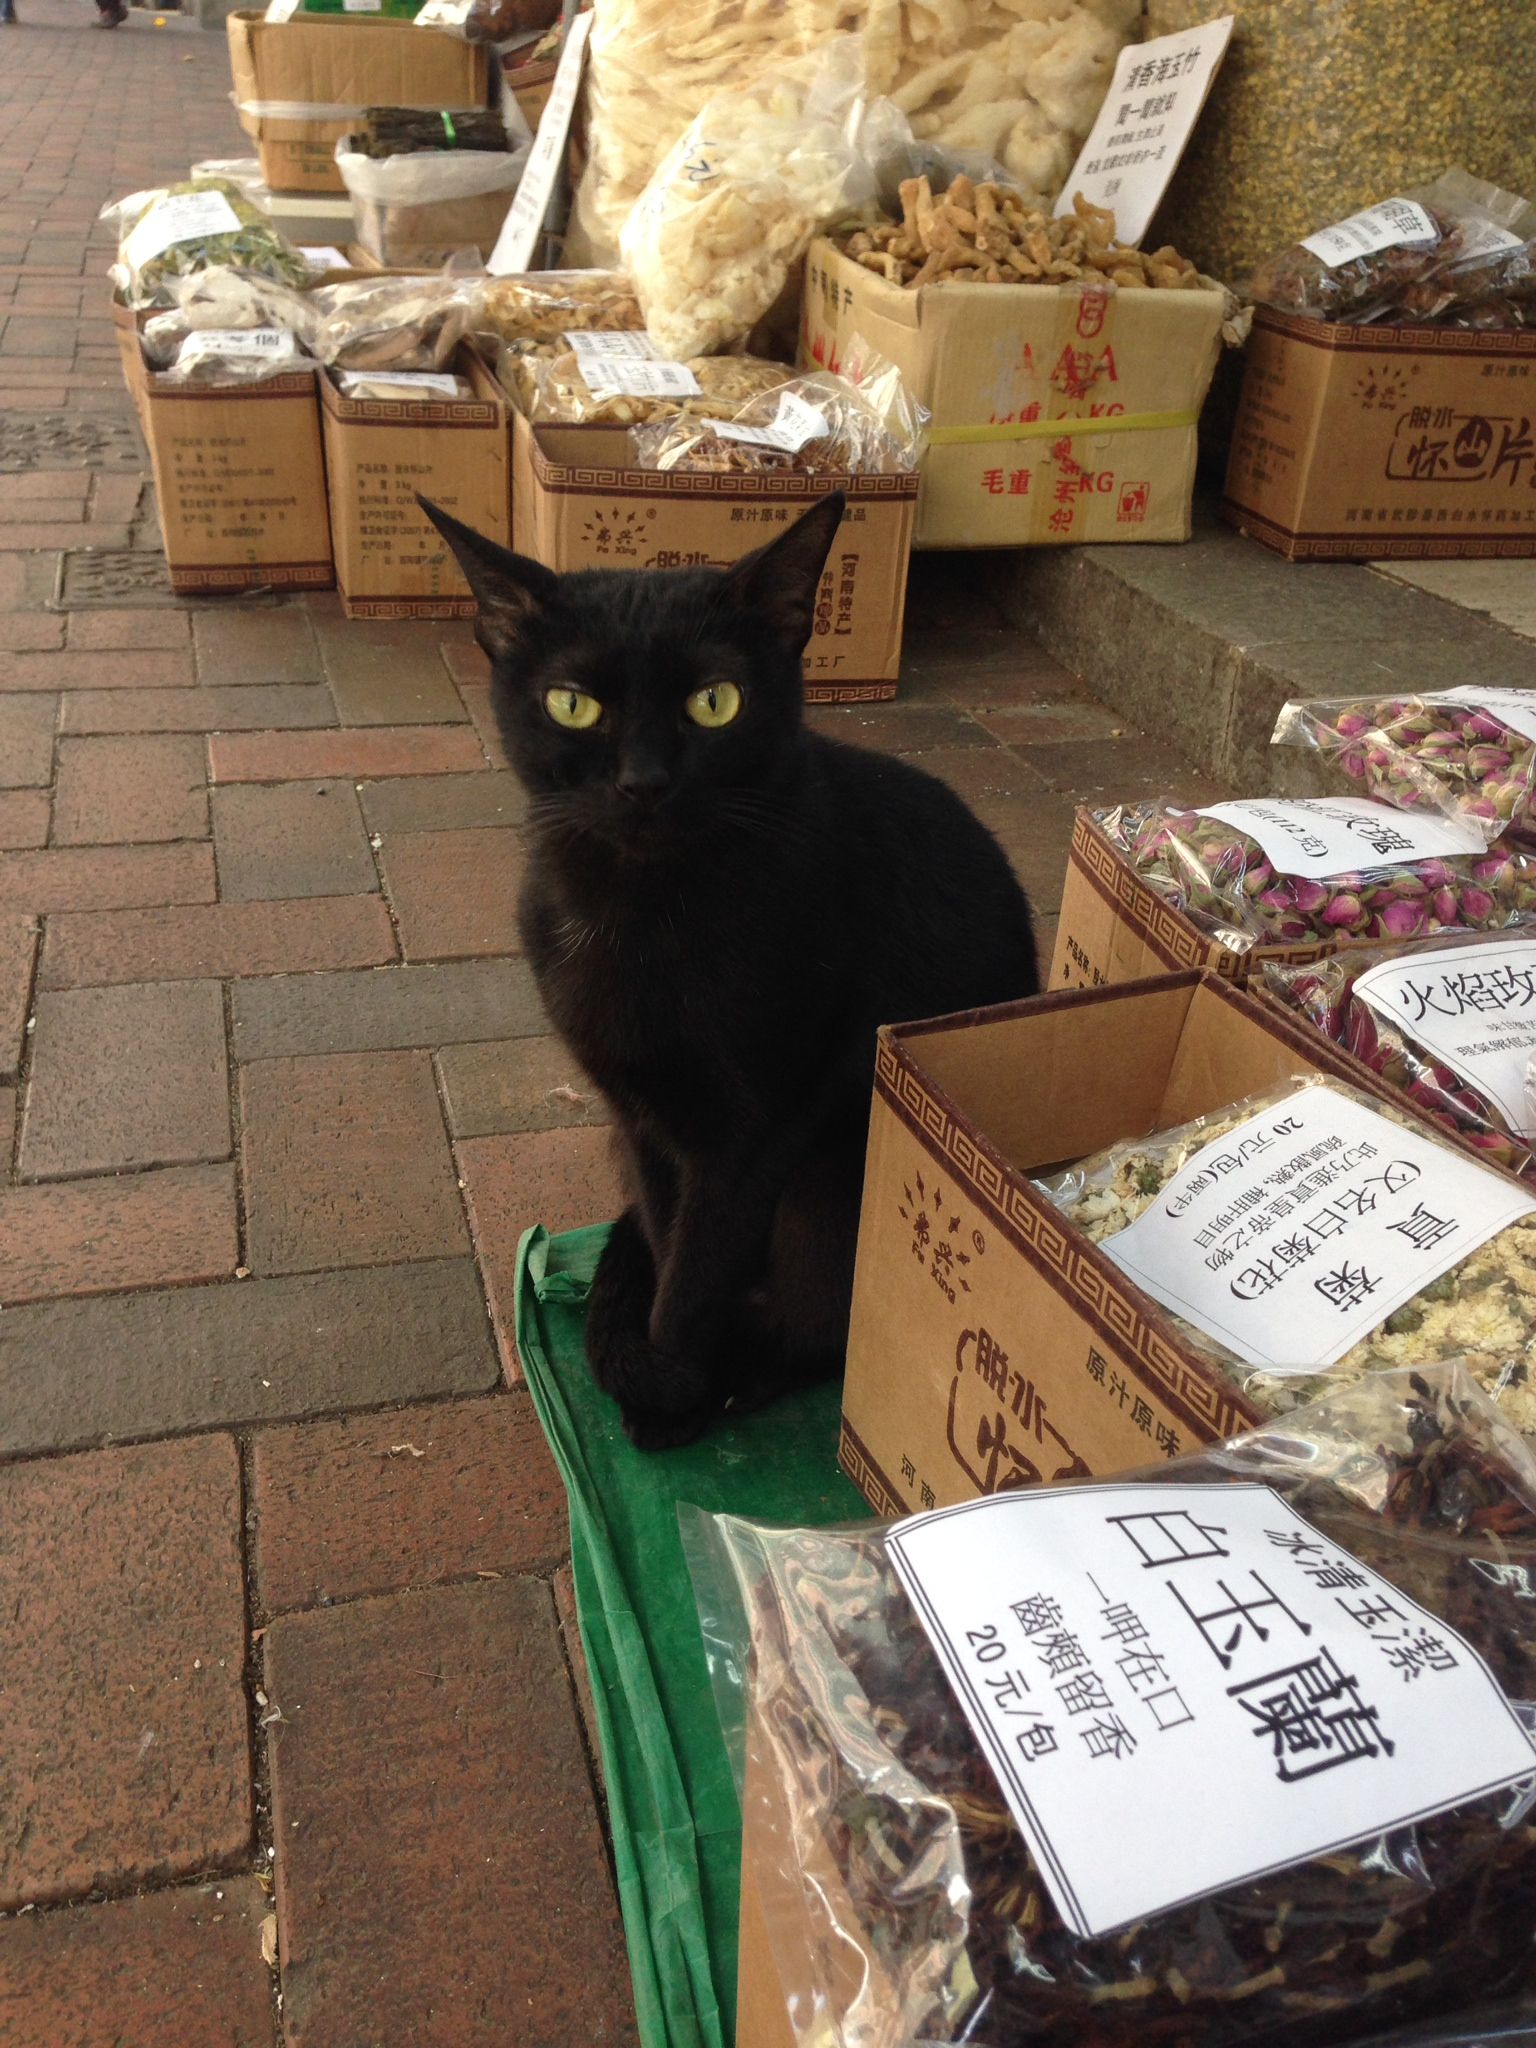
[(947, 1910), (253, 246), (407, 131), (1225, 883)]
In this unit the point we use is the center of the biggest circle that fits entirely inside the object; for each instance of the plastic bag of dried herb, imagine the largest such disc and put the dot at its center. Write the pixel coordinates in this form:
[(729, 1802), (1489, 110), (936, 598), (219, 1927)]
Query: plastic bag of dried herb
[(1452, 1026), (904, 1902), (1258, 871), (1472, 1295), (176, 230), (1473, 748)]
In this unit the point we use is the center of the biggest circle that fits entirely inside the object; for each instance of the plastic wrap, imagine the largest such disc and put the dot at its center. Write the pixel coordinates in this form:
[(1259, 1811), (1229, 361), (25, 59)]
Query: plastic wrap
[(862, 423), (1482, 1310), (734, 205), (220, 298), (423, 206), (409, 386), (176, 230), (1462, 979), (1471, 750), (1455, 242), (907, 1906), (229, 357), (1225, 883), (552, 390), (394, 323), (543, 305)]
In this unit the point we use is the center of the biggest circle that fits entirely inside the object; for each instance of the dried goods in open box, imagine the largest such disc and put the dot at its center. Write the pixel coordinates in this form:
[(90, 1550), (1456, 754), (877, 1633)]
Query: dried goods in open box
[(913, 1839), (552, 390), (544, 305), (858, 423)]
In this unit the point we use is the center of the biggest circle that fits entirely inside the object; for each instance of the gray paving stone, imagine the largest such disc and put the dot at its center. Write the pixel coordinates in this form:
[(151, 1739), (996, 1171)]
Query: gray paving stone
[(443, 803), (288, 839), (74, 1373), (379, 1010), (388, 672)]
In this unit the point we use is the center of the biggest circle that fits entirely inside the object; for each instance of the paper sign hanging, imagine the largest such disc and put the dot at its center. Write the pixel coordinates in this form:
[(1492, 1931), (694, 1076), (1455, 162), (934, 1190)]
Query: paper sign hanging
[(521, 229)]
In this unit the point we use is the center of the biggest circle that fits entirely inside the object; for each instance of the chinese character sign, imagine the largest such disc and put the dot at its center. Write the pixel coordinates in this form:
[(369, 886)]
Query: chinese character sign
[(1181, 1688), (1291, 1236), (1473, 1007), (1324, 837)]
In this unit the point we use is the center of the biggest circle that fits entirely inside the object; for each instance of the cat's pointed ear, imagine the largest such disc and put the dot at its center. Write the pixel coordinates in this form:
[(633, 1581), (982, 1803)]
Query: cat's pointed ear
[(509, 589), (778, 583)]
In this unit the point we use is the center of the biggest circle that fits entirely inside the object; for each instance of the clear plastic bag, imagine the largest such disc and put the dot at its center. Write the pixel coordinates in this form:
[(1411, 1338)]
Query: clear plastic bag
[(543, 305), (219, 298), (1324, 992), (862, 423), (1405, 259), (907, 1908), (1502, 2026), (1225, 883), (734, 206), (421, 207), (1456, 750), (176, 230), (395, 323), (230, 357), (1482, 1310), (552, 390)]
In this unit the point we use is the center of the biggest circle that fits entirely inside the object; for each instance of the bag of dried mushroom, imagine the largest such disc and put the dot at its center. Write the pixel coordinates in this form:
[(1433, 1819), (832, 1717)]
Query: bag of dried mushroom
[(1452, 1026), (970, 1744), (858, 423), (1314, 1236)]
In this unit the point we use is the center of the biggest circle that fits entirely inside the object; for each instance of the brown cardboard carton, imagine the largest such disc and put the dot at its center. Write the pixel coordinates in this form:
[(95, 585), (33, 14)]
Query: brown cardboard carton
[(576, 505), (341, 62), (991, 1344), (391, 562), (239, 479), (1377, 443), (1115, 927), (1060, 414)]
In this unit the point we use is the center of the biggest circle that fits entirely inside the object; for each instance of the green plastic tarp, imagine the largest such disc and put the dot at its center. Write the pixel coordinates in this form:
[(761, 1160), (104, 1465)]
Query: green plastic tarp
[(672, 1803)]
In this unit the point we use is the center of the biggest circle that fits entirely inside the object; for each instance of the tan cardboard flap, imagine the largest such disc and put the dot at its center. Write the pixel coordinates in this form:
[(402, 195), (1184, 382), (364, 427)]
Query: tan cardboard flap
[(345, 62)]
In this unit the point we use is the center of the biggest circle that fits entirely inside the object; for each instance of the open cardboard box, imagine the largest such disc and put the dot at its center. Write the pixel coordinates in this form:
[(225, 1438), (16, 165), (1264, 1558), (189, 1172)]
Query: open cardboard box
[(1115, 927), (1384, 443), (391, 562), (577, 504), (328, 67), (1060, 414), (991, 1344)]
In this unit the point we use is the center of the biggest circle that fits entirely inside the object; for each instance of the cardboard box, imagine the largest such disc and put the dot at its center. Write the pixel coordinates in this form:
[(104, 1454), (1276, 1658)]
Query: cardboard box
[(991, 1344), (239, 478), (1115, 927), (342, 63), (1014, 375), (391, 562), (575, 505), (1384, 443)]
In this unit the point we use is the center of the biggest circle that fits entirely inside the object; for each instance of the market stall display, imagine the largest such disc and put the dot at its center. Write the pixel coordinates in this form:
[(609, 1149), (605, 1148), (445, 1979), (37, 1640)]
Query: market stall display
[(554, 390), (426, 186), (178, 230), (858, 424)]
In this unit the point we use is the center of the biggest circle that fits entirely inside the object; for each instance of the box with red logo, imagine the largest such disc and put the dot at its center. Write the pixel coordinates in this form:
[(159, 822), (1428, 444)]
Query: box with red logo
[(1061, 413)]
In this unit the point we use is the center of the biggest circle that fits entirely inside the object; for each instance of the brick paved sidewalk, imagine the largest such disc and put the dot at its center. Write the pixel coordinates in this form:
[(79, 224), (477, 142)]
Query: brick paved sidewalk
[(282, 1552)]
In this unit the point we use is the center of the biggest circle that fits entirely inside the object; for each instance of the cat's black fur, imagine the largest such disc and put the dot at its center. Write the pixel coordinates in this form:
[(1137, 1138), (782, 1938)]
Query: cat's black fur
[(718, 921)]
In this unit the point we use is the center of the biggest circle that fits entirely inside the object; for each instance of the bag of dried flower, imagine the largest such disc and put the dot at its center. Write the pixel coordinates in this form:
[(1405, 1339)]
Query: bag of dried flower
[(1452, 1026), (1314, 1236), (973, 1743), (1298, 869)]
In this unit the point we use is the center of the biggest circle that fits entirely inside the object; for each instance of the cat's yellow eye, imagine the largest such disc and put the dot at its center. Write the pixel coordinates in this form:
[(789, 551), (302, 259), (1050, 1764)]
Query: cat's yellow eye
[(573, 709), (715, 705)]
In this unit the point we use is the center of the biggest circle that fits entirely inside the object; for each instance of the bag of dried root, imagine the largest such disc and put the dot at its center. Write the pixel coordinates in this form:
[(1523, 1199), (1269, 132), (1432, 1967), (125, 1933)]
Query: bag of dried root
[(393, 323), (971, 1744), (735, 205), (861, 422), (1452, 1026), (221, 300), (552, 388), (544, 305), (176, 230), (1405, 259), (1292, 871), (1314, 1234), (1470, 749)]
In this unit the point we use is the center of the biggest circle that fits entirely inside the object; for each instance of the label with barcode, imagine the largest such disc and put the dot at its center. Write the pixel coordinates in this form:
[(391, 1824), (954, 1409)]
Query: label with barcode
[(240, 343), (1395, 223), (627, 366)]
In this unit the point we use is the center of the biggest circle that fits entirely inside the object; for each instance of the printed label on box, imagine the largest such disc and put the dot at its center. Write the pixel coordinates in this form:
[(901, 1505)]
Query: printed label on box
[(1323, 837), (183, 217), (1472, 1007), (1297, 1232), (1127, 1656), (628, 366), (1395, 223)]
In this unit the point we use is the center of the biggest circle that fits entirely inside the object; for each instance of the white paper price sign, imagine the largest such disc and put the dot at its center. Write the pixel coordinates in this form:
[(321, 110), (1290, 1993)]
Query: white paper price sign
[(249, 343), (1472, 1007), (1147, 118), (1322, 837), (1292, 1236), (520, 230), (628, 366), (184, 217), (794, 423), (1513, 708), (1392, 224), (1132, 1659)]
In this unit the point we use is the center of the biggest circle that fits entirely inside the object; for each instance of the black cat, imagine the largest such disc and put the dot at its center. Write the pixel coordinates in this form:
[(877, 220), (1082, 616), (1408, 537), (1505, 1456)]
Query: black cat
[(720, 909)]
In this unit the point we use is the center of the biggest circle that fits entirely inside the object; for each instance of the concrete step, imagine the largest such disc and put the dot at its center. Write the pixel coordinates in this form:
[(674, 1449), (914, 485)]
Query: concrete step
[(1202, 644)]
